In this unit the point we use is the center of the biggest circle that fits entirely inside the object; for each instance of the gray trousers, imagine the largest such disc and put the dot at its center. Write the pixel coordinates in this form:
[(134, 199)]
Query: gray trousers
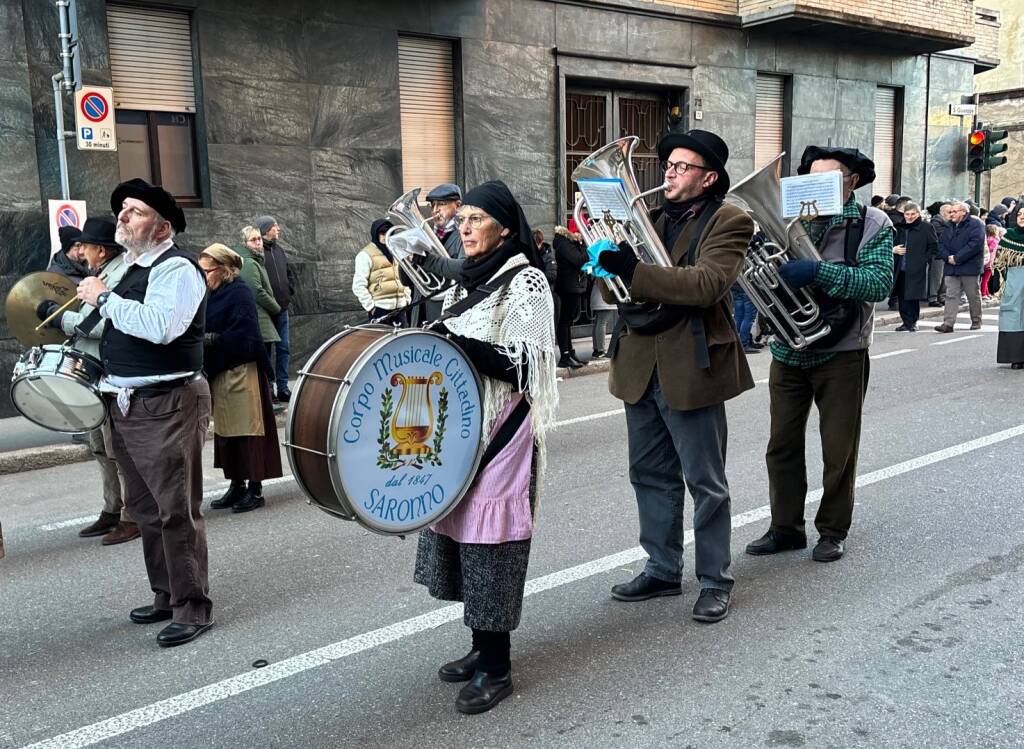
[(670, 451), (971, 287), (101, 445), (936, 280), (604, 321)]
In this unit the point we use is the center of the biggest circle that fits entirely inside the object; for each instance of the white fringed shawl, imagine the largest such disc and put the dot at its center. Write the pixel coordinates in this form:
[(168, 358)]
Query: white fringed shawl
[(519, 320)]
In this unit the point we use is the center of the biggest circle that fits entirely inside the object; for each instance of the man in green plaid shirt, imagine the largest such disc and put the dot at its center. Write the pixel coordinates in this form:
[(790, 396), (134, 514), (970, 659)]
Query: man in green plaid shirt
[(832, 373)]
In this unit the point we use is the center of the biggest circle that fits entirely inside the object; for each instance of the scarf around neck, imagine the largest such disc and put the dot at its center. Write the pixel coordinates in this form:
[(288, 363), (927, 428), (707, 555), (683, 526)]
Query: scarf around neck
[(477, 270)]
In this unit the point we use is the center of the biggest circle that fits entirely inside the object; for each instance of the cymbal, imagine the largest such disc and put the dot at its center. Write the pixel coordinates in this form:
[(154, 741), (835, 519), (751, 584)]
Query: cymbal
[(25, 296)]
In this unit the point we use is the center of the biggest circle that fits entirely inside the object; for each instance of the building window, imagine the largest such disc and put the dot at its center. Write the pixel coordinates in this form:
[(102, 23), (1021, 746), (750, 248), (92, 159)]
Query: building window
[(769, 119), (152, 71), (887, 136), (427, 89)]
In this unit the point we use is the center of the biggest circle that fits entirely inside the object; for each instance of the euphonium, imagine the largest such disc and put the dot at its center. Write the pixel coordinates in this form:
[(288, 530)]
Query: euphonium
[(793, 314), (614, 161), (410, 236)]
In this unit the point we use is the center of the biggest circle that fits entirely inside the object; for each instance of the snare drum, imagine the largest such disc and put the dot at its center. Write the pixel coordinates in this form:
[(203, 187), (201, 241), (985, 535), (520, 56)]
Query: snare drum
[(385, 428), (57, 387)]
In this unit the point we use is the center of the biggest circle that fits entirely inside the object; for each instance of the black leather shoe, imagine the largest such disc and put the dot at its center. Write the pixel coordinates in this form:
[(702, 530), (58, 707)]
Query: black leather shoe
[(576, 361), (483, 692), (712, 605), (460, 670), (828, 549), (773, 542), (643, 586), (569, 362), (249, 502), (149, 615), (178, 634), (234, 495), (283, 396)]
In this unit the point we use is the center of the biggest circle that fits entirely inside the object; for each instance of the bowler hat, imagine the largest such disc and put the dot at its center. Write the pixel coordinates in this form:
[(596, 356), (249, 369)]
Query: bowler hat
[(851, 158), (154, 196), (712, 148), (100, 231), (445, 191)]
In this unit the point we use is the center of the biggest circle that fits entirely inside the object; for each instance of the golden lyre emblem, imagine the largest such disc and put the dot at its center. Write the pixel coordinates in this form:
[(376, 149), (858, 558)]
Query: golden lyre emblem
[(413, 420)]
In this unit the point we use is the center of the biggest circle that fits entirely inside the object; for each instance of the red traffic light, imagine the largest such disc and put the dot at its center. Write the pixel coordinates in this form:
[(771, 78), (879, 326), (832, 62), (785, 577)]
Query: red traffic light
[(977, 137)]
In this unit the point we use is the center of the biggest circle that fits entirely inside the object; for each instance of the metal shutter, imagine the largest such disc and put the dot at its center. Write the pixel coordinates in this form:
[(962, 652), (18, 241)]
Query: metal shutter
[(427, 88), (151, 59), (885, 140), (769, 118)]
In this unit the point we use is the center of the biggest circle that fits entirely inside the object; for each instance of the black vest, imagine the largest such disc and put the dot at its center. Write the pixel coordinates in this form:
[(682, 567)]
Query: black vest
[(127, 356)]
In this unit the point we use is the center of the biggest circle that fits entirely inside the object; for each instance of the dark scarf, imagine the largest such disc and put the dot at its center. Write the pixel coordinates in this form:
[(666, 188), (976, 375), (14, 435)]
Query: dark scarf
[(676, 216), (378, 226), (497, 200)]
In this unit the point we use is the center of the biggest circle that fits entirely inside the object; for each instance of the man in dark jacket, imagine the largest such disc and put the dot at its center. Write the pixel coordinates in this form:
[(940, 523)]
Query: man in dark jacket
[(962, 244), (547, 255), (938, 213), (281, 283), (570, 286), (913, 251), (68, 260)]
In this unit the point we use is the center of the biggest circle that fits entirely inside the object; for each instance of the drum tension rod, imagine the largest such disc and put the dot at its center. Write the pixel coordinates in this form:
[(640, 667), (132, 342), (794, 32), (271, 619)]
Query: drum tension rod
[(309, 450), (316, 376)]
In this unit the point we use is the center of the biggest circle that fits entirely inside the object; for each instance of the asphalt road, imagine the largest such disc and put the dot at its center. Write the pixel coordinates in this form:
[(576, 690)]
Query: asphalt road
[(913, 639)]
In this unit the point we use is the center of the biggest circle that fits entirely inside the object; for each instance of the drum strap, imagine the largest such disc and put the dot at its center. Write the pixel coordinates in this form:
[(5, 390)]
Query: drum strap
[(505, 433)]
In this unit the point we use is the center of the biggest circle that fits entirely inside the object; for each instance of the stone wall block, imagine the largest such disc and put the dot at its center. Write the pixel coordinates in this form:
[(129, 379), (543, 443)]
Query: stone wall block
[(500, 69), (726, 90), (335, 280), (349, 117), (274, 113), (659, 39), (259, 51), (855, 134), (509, 125), (24, 246), (814, 97), (579, 29), (803, 54), (12, 32), (530, 176), (529, 22), (349, 55), (720, 47), (409, 15), (856, 100), (810, 131), (15, 100), (860, 64)]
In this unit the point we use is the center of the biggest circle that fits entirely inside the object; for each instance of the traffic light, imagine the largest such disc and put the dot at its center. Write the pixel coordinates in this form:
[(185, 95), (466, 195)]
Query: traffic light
[(976, 151), (993, 147)]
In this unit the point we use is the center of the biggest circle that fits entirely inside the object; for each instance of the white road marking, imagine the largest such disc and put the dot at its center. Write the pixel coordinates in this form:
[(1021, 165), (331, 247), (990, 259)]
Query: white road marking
[(761, 382), (897, 352), (180, 704), (590, 417), (957, 340)]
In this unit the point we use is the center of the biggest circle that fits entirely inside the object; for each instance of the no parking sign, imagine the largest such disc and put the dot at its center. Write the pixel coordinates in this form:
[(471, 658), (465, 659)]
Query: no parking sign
[(94, 119), (64, 213)]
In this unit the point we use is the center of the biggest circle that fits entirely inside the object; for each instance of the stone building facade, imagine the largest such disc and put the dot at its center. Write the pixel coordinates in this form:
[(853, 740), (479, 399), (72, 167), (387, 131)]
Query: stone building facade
[(299, 107)]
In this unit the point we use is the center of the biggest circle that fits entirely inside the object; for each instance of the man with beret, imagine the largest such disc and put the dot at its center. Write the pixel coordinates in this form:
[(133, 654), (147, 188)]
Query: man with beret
[(159, 402), (676, 359), (281, 284), (856, 271)]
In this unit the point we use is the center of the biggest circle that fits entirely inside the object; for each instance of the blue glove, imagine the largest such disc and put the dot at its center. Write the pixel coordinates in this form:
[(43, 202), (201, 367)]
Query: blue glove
[(799, 273), (592, 266)]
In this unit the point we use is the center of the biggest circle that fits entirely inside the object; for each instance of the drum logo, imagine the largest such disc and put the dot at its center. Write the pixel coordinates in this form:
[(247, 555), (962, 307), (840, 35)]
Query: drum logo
[(411, 434)]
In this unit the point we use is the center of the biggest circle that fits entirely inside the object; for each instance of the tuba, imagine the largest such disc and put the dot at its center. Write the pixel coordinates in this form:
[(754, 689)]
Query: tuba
[(410, 236), (614, 161), (794, 315)]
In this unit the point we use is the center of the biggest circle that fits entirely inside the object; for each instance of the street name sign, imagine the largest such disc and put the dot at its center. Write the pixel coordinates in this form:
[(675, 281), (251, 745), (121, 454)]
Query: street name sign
[(94, 119), (963, 110)]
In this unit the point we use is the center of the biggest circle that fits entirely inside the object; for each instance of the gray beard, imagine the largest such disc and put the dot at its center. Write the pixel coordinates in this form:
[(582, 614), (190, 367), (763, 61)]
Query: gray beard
[(135, 246)]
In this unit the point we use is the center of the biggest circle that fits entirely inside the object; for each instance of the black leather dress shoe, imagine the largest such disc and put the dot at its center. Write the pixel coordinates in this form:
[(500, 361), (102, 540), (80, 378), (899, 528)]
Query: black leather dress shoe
[(568, 363), (461, 669), (234, 495), (828, 549), (773, 542), (178, 634), (712, 605), (149, 615), (250, 501), (483, 692), (643, 586)]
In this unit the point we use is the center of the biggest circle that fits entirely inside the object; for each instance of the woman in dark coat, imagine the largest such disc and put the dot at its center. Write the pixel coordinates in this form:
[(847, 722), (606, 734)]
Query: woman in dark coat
[(570, 286), (245, 442), (913, 251)]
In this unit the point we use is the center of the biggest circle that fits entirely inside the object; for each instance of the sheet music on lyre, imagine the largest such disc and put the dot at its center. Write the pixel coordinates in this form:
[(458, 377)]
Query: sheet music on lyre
[(605, 197), (819, 194)]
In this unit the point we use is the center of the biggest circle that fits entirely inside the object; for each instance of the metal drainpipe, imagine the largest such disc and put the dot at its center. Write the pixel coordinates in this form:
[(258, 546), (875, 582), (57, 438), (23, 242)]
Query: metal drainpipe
[(65, 44), (927, 105), (58, 110)]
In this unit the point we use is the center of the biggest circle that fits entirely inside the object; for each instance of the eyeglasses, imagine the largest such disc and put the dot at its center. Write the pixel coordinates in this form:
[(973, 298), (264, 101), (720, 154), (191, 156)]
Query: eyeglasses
[(475, 220), (208, 271), (680, 167)]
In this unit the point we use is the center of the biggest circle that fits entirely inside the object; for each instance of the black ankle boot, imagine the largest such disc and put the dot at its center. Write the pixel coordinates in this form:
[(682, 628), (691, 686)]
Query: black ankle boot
[(461, 669), (231, 497), (483, 692), (253, 498)]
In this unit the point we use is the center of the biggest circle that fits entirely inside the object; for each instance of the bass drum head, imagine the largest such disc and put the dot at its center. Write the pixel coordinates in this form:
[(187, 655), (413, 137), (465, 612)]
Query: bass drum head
[(406, 432), (58, 403)]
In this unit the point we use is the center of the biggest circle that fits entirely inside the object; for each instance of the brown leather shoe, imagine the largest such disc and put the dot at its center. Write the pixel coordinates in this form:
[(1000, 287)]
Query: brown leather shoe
[(124, 531), (943, 328), (106, 522)]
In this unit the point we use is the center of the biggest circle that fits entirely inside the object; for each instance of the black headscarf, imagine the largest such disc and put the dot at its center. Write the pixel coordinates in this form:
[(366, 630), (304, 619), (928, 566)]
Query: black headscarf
[(376, 229), (495, 198)]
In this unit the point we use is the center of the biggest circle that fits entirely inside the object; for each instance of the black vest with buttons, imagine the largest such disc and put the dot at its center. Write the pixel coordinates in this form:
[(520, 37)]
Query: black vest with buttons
[(125, 355)]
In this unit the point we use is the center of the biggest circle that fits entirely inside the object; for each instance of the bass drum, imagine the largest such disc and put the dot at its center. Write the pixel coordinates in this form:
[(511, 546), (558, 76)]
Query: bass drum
[(57, 388), (385, 428)]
